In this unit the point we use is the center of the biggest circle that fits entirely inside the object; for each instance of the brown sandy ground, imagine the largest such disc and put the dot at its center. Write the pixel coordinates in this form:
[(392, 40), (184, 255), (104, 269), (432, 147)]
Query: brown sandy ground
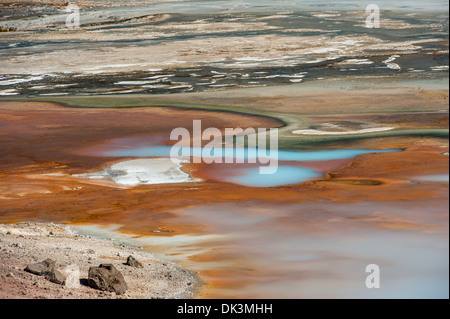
[(25, 243)]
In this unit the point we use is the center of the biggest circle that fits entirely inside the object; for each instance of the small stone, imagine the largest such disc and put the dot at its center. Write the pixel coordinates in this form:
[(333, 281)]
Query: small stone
[(10, 275), (133, 262)]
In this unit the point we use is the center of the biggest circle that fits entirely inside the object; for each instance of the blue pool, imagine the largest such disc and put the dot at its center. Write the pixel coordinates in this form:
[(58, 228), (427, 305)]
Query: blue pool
[(285, 174)]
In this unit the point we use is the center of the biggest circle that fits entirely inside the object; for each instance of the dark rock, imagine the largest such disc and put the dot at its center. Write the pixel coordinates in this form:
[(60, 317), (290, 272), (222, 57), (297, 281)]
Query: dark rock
[(56, 277), (107, 278), (133, 262), (41, 269)]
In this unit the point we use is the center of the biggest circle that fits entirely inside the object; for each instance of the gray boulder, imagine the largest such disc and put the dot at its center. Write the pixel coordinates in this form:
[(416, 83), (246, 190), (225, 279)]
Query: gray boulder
[(133, 262), (41, 269), (106, 277), (56, 277)]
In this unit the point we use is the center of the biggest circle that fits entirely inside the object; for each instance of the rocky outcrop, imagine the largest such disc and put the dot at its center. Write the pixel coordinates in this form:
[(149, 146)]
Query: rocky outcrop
[(106, 277)]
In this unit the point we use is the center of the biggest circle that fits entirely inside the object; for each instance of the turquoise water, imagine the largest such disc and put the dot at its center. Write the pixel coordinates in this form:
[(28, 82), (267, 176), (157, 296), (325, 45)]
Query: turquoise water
[(285, 174), (249, 154)]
